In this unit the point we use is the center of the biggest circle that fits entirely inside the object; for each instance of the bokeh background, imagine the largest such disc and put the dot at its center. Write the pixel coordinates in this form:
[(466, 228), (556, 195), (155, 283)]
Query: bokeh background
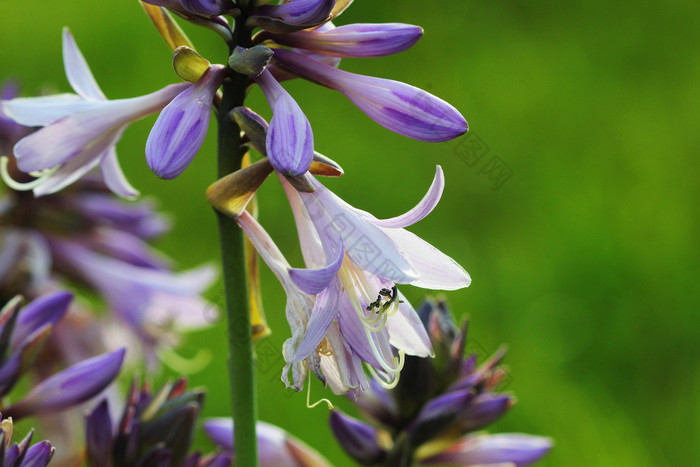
[(583, 259)]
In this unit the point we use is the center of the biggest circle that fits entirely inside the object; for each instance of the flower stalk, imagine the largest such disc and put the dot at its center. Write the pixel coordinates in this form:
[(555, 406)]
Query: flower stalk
[(241, 365)]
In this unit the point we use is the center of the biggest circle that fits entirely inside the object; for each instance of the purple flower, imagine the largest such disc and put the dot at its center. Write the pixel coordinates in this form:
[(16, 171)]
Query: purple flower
[(276, 447), (346, 309), (70, 387), (290, 141), (483, 450), (292, 15), (397, 106), (357, 438), (182, 125), (352, 40), (80, 131)]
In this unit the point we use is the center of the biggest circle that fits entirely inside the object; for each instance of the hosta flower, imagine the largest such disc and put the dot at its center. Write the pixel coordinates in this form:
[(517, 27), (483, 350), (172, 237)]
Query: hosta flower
[(79, 130), (435, 414), (276, 447), (23, 333)]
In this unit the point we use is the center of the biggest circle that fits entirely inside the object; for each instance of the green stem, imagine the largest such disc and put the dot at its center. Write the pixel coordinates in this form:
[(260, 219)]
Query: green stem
[(240, 363)]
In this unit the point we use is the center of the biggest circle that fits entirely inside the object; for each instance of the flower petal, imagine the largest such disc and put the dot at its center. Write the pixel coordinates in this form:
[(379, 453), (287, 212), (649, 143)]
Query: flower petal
[(503, 448), (77, 70), (436, 270), (314, 281), (324, 312), (422, 209), (113, 176), (406, 331), (44, 110), (290, 141)]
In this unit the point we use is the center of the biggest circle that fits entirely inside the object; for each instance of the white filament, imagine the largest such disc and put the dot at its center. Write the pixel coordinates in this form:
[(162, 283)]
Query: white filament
[(18, 186)]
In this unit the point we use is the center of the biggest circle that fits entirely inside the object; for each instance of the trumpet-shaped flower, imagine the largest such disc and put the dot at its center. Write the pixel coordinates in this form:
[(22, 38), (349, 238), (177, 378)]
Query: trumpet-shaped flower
[(79, 130)]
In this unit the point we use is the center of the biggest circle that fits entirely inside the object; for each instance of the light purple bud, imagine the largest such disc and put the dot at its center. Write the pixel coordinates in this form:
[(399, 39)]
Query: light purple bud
[(290, 141), (47, 309), (397, 106), (357, 438), (72, 386), (207, 7), (182, 125), (297, 12), (353, 40), (38, 455)]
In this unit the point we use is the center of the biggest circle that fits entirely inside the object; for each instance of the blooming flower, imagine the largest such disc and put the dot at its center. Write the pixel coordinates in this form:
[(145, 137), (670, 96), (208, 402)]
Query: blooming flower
[(276, 447), (79, 130), (433, 414)]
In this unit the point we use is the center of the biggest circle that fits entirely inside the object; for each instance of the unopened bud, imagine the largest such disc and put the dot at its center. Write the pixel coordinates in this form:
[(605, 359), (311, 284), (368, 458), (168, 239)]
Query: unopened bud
[(251, 61)]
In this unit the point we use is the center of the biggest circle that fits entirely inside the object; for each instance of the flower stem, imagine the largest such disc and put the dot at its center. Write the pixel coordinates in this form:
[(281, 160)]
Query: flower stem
[(240, 363)]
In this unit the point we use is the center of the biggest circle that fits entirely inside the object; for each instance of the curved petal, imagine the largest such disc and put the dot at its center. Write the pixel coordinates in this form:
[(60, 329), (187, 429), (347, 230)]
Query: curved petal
[(406, 331), (44, 110), (77, 70), (324, 312), (422, 209), (314, 281), (504, 448), (114, 178), (436, 270)]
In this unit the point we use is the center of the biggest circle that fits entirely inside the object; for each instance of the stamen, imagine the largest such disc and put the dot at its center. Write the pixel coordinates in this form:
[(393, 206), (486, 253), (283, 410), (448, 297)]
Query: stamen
[(391, 381), (308, 397), (19, 186)]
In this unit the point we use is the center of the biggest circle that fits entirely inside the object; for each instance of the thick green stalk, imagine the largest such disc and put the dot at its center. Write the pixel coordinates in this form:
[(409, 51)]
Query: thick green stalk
[(241, 363)]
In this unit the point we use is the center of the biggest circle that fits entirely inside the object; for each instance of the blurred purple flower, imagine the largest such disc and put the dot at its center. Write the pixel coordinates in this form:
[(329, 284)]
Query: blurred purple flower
[(23, 454), (79, 130), (276, 447)]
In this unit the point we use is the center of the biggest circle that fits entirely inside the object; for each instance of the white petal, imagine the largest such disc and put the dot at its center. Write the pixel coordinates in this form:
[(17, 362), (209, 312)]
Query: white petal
[(436, 270), (406, 331), (41, 111), (77, 70)]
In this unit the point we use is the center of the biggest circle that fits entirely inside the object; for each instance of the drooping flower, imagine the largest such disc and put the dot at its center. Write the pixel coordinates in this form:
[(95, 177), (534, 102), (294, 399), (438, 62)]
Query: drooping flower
[(23, 333), (435, 414), (155, 429), (276, 447), (79, 130)]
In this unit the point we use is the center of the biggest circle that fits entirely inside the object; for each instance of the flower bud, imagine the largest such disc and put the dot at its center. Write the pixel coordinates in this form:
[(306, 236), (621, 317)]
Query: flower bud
[(357, 438)]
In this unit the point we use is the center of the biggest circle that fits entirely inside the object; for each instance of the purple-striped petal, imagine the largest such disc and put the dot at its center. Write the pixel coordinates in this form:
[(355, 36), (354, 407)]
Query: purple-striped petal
[(354, 40), (182, 125), (314, 281), (290, 141), (297, 12), (77, 70), (422, 209), (71, 386), (324, 312), (207, 7), (397, 106), (505, 448)]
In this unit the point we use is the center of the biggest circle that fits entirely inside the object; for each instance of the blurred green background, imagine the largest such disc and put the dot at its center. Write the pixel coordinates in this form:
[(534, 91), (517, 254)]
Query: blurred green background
[(582, 261)]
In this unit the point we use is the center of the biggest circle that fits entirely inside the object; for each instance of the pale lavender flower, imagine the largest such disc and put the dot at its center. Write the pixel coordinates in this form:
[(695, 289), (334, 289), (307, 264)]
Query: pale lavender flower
[(80, 130), (182, 125), (397, 106), (500, 449), (276, 447), (290, 142)]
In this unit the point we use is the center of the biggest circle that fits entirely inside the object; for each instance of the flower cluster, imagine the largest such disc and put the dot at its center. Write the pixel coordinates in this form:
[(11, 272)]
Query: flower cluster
[(155, 429), (23, 454), (435, 413)]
